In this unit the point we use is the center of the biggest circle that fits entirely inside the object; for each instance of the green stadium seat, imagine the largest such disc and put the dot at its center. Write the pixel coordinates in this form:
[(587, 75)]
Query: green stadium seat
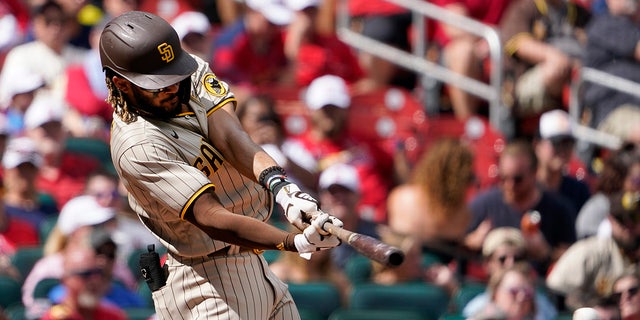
[(320, 297), (425, 299), (10, 291), (348, 314), (25, 258)]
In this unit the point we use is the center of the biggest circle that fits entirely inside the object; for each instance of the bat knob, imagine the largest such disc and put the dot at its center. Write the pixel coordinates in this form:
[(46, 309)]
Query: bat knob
[(396, 257)]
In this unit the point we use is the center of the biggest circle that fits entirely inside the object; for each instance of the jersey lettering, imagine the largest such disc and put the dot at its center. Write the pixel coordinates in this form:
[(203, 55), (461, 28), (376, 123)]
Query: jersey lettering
[(209, 161)]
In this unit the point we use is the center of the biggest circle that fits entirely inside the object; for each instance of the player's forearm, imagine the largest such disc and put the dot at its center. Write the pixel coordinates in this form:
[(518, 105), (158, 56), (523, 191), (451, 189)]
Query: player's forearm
[(220, 224)]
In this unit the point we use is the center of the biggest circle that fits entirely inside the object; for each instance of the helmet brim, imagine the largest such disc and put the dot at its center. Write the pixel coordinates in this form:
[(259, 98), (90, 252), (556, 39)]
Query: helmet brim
[(172, 73)]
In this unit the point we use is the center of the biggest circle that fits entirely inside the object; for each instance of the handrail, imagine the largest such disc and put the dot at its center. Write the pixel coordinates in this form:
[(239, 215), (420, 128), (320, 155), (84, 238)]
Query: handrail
[(499, 115), (605, 79)]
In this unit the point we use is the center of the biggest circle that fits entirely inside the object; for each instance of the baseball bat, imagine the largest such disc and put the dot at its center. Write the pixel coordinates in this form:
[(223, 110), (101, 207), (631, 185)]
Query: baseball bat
[(369, 247)]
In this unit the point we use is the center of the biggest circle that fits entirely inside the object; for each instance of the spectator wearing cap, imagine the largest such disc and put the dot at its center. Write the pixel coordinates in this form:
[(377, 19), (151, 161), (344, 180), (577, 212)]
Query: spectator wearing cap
[(517, 198), (502, 249), (339, 193), (63, 173), (250, 52), (555, 150), (313, 54), (588, 269), (194, 31), (327, 142), (50, 52), (21, 164), (115, 292), (18, 94), (88, 114), (85, 279), (78, 219)]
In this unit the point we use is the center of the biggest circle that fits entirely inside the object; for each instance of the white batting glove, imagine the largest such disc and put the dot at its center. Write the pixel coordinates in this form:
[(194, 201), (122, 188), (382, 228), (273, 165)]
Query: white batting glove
[(311, 240), (298, 206), (331, 219)]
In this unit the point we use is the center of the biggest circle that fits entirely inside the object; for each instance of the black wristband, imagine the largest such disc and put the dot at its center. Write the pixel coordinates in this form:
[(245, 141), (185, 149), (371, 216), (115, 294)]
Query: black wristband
[(268, 173)]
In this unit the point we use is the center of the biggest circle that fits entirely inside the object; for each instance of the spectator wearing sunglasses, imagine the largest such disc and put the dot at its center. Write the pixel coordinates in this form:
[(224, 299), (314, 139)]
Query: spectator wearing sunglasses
[(517, 194), (588, 269), (502, 249), (625, 293), (86, 279), (512, 292)]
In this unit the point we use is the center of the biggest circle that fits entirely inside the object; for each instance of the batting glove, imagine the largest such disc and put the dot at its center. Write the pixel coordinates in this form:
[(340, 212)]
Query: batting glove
[(312, 240), (299, 207), (333, 220)]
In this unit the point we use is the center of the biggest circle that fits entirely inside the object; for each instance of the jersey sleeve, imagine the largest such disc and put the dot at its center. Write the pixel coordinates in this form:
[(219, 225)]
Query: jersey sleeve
[(211, 91), (161, 180)]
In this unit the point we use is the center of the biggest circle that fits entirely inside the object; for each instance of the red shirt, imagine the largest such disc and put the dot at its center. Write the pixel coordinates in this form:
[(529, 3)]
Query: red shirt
[(18, 233), (326, 55), (374, 186), (486, 11), (82, 98), (102, 312), (236, 61), (373, 7), (72, 174)]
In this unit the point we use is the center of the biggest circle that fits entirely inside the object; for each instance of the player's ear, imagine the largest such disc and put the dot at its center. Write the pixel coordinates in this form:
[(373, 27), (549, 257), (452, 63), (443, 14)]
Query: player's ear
[(121, 83)]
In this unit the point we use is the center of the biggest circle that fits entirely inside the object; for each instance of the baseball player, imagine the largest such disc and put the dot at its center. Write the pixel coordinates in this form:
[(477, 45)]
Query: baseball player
[(197, 181)]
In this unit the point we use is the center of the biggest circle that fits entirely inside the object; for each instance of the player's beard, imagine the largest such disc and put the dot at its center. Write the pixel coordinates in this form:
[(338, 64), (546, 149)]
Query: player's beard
[(168, 108)]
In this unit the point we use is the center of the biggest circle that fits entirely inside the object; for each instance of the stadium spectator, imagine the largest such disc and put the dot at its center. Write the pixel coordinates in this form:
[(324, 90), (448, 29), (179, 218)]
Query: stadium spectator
[(63, 173), (543, 42), (250, 52), (555, 148), (326, 143), (313, 54), (625, 292), (620, 172), (587, 270), (519, 197), (88, 114), (49, 53), (339, 193), (432, 206), (512, 295), (195, 33), (502, 249), (20, 93), (86, 279), (77, 220), (612, 47), (21, 165), (465, 53)]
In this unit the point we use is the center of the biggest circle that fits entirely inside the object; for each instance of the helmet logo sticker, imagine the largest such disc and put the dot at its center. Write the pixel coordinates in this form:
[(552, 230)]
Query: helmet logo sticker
[(213, 86), (166, 50)]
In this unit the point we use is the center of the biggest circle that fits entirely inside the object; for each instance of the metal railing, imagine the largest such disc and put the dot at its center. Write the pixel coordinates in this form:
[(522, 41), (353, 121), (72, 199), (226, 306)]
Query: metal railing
[(604, 79), (499, 115)]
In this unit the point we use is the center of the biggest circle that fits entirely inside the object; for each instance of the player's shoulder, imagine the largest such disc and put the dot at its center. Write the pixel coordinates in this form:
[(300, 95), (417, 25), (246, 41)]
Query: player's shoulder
[(208, 89)]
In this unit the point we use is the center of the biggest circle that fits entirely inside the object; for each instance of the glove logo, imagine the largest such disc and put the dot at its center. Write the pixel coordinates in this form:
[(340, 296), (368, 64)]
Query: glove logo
[(166, 50)]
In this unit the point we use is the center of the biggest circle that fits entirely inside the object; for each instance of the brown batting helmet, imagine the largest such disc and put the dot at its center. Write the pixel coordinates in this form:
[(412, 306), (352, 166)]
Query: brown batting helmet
[(144, 49)]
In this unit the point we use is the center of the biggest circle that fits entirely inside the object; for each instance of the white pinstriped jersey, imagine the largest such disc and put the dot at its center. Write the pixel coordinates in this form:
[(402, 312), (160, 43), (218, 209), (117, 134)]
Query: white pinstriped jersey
[(166, 165)]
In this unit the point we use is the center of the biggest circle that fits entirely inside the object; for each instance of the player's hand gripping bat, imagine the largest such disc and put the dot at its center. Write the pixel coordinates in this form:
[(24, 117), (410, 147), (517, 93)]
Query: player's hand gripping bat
[(369, 247)]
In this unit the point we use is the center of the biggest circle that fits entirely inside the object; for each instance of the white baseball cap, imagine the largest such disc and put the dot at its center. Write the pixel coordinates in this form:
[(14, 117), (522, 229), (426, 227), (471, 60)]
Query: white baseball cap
[(298, 5), (340, 174), (327, 90), (21, 150), (276, 11), (17, 81), (556, 124), (191, 22), (44, 108), (83, 211)]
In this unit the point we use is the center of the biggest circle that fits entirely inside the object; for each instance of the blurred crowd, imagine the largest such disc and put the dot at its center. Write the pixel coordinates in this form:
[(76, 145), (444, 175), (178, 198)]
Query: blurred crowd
[(520, 226)]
